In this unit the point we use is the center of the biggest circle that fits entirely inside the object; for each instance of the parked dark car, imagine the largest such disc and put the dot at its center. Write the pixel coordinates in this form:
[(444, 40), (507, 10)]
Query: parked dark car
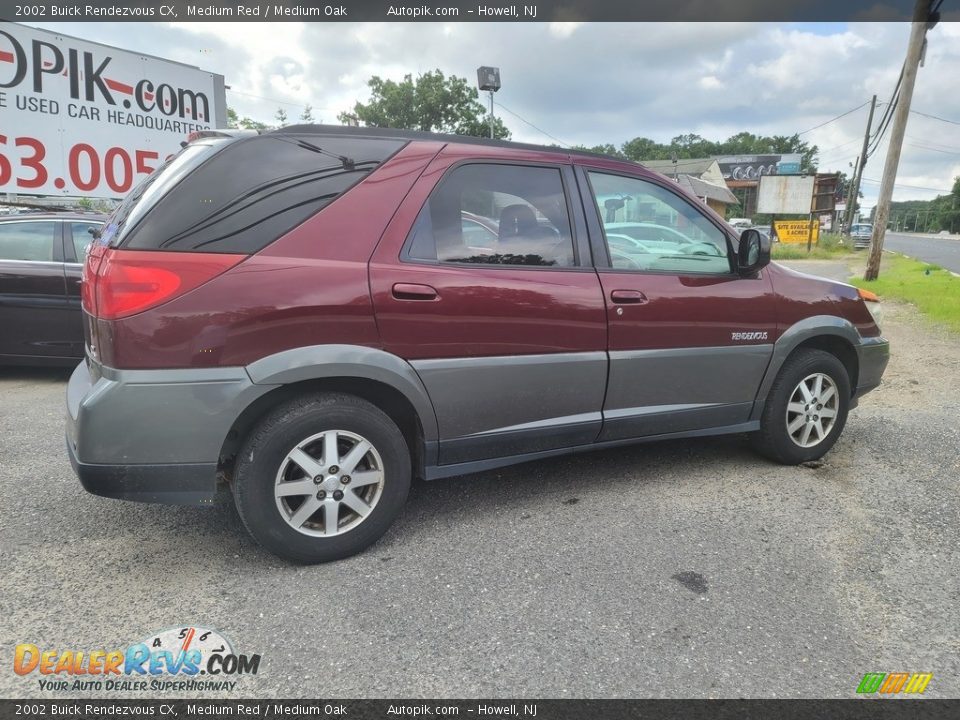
[(41, 258), (861, 234), (306, 317)]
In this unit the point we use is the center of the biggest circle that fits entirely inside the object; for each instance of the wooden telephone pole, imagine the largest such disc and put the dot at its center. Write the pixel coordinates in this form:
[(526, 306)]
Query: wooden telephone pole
[(853, 193), (918, 33)]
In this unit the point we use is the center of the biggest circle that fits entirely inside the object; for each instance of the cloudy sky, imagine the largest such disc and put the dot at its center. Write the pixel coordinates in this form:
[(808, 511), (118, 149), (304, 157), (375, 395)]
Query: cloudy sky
[(601, 82)]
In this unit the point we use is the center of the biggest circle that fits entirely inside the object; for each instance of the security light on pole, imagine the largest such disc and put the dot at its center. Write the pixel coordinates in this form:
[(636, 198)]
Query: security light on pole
[(488, 78)]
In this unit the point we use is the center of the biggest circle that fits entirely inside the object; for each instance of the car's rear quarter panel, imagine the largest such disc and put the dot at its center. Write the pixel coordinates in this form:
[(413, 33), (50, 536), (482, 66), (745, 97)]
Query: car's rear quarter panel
[(310, 287)]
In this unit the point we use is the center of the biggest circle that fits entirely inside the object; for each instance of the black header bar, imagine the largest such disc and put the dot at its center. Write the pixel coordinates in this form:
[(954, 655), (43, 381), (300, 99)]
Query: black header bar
[(31, 11)]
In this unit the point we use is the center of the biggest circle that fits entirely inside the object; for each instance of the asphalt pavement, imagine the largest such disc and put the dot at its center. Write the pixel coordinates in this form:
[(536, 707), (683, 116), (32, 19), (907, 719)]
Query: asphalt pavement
[(939, 250), (680, 569)]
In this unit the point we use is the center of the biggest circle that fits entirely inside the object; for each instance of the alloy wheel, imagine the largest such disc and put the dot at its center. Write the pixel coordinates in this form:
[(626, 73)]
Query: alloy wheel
[(329, 483)]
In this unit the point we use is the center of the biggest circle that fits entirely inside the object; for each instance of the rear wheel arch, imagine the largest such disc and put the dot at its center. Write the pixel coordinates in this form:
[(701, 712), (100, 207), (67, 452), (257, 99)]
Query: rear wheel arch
[(384, 396)]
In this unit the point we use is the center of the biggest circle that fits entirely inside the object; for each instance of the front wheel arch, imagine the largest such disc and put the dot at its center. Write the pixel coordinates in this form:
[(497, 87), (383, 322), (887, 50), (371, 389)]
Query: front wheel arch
[(840, 348)]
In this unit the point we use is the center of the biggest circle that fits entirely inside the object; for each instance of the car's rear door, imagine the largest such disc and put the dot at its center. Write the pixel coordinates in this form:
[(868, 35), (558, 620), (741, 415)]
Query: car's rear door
[(34, 310), (690, 339), (510, 338)]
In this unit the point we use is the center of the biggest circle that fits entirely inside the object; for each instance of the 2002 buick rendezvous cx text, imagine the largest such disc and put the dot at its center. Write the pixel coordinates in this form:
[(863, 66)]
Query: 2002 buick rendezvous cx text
[(316, 315)]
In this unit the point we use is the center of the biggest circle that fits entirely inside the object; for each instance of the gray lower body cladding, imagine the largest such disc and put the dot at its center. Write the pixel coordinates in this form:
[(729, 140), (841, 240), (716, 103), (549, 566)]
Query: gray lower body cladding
[(873, 355), (153, 435), (156, 435)]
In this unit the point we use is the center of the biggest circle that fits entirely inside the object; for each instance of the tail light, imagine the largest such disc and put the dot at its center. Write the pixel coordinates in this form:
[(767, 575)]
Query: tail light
[(88, 280), (119, 283)]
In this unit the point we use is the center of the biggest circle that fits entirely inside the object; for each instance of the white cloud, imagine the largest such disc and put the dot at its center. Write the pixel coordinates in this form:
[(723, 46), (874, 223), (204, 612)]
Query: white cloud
[(564, 29)]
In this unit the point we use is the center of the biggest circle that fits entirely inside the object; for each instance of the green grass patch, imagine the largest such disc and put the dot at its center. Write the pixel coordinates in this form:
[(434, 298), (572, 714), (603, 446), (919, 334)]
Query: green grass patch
[(935, 291), (830, 247)]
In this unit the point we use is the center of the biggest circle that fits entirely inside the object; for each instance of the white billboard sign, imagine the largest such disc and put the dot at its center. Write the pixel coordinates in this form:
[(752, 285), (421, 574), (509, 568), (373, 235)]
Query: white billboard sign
[(83, 119), (785, 194)]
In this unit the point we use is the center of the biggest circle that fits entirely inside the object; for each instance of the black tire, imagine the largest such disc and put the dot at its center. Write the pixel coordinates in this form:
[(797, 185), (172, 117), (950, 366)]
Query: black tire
[(265, 450), (773, 440)]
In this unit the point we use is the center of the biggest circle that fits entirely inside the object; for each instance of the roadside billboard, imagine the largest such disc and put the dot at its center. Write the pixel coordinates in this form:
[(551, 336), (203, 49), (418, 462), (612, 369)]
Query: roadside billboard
[(89, 120), (785, 194), (796, 231), (753, 167)]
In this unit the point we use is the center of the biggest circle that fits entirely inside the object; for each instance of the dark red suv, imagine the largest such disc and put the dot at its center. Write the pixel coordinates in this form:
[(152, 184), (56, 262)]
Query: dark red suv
[(315, 315)]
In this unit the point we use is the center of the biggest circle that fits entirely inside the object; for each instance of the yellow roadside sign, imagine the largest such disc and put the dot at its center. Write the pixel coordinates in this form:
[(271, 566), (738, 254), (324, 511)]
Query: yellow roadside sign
[(796, 231)]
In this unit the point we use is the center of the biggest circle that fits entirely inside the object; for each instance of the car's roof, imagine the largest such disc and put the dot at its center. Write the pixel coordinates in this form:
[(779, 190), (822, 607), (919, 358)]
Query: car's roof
[(88, 217), (375, 132)]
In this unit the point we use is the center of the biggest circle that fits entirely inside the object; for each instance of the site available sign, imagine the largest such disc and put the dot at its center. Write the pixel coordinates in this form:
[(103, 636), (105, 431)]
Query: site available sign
[(83, 119), (785, 194), (796, 231)]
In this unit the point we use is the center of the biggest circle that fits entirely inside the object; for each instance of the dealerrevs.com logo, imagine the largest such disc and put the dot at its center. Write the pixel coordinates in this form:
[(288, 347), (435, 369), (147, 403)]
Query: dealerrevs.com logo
[(179, 659)]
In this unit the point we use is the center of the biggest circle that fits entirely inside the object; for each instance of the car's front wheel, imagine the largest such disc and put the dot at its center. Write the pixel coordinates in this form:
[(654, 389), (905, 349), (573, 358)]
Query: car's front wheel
[(322, 477), (806, 408)]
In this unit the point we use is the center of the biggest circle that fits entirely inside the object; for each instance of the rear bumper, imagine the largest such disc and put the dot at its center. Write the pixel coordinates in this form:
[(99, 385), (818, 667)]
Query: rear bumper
[(153, 435), (193, 484), (873, 354)]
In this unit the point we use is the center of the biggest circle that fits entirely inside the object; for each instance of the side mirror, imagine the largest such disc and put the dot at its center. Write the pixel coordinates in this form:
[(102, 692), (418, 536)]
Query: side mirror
[(754, 251)]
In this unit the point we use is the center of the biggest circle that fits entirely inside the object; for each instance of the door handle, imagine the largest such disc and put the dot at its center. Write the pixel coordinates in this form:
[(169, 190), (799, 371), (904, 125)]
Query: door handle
[(414, 291), (628, 297)]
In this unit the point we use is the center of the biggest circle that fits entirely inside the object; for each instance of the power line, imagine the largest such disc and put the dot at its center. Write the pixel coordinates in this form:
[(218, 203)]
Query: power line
[(938, 145), (927, 147), (912, 187), (522, 119), (274, 100), (934, 117), (887, 117), (804, 132)]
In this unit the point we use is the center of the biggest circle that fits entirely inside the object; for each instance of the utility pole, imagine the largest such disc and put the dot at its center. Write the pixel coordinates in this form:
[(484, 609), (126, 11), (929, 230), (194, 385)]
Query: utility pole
[(848, 214), (918, 32), (858, 171)]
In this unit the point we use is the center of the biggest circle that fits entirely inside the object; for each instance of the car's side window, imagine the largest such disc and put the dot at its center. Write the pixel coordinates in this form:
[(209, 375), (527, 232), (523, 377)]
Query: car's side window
[(649, 228), (80, 233), (490, 214), (27, 240)]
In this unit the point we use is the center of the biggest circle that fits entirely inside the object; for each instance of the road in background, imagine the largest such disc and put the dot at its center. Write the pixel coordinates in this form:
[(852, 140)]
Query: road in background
[(942, 251)]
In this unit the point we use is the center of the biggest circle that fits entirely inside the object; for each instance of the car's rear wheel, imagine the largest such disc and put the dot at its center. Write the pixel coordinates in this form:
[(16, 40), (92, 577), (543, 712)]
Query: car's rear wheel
[(806, 408), (322, 477)]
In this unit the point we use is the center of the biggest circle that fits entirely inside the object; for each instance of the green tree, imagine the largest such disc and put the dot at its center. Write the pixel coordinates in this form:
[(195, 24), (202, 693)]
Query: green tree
[(691, 145), (605, 149), (281, 117), (641, 148), (432, 102), (243, 123), (307, 115)]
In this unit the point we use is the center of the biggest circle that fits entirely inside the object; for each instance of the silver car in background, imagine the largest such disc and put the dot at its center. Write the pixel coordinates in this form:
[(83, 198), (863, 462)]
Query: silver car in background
[(860, 235)]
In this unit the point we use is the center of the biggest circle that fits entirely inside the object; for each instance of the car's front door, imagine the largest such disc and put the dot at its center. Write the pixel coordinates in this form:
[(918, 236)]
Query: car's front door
[(689, 338), (508, 334), (34, 312)]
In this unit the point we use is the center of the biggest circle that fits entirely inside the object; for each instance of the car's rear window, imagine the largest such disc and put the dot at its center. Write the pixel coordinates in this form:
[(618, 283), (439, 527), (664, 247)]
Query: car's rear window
[(241, 195)]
